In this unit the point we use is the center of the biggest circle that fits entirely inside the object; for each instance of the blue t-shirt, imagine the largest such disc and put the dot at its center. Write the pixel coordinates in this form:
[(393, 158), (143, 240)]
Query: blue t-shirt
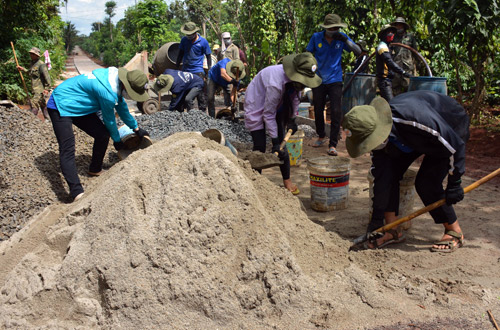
[(194, 53), (215, 75), (329, 56), (183, 83)]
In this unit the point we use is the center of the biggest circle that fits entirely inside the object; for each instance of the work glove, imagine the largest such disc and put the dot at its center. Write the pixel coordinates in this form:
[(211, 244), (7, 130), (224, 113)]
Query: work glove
[(292, 125), (141, 133), (276, 149), (118, 145), (234, 81), (454, 192), (339, 36), (407, 74)]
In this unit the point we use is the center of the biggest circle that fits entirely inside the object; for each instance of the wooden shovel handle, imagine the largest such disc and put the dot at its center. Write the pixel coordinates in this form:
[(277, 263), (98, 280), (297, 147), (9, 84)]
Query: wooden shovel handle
[(437, 204)]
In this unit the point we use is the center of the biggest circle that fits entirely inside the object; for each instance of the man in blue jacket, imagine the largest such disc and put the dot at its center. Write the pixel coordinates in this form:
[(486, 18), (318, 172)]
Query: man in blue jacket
[(327, 47), (184, 87), (192, 50), (412, 124), (78, 100), (222, 75)]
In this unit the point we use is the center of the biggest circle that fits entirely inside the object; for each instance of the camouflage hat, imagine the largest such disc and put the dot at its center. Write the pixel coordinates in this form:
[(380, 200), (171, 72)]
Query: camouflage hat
[(163, 83), (136, 84), (189, 28), (367, 126), (333, 20), (35, 51), (301, 68), (402, 21), (234, 65)]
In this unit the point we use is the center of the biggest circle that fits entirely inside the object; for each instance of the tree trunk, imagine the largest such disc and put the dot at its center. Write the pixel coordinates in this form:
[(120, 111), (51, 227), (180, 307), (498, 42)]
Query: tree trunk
[(457, 74)]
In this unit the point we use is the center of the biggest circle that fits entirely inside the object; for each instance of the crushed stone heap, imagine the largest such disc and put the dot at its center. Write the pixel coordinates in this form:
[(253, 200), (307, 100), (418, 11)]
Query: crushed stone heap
[(179, 235)]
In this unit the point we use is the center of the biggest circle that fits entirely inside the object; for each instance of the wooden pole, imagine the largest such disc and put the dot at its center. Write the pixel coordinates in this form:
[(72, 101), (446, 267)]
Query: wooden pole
[(21, 74)]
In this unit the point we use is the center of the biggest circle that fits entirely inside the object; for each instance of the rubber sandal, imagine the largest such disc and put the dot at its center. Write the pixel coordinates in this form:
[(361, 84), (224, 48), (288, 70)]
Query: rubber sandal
[(394, 240), (296, 191), (94, 173), (456, 241), (318, 143), (332, 151)]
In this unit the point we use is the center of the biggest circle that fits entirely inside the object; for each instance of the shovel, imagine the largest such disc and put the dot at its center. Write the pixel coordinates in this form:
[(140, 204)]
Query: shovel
[(260, 161), (363, 238)]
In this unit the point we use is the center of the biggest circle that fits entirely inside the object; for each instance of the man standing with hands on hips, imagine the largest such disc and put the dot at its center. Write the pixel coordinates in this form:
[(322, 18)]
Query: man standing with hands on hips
[(327, 47)]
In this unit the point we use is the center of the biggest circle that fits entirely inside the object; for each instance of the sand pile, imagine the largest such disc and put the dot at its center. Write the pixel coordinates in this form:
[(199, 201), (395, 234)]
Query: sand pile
[(178, 236)]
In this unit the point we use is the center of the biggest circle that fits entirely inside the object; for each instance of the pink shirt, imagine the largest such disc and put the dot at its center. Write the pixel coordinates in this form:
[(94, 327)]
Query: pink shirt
[(263, 97)]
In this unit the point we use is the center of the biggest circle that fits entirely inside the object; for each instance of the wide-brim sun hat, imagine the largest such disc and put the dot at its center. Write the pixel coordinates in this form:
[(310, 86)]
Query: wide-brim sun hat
[(234, 65), (35, 50), (402, 21), (333, 20), (136, 84), (386, 29), (163, 83), (368, 126), (189, 28), (302, 68)]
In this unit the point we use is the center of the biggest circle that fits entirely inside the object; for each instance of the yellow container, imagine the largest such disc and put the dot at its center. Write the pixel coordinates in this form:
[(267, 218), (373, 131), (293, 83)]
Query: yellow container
[(294, 146)]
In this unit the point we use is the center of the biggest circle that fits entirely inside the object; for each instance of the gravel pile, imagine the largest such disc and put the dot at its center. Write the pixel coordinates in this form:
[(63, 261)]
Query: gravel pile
[(165, 123)]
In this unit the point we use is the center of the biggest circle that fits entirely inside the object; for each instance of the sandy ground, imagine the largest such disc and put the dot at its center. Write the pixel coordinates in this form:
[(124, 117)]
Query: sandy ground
[(97, 263)]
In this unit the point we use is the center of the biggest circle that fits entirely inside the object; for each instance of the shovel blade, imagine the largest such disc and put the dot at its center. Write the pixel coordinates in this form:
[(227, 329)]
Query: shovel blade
[(259, 160)]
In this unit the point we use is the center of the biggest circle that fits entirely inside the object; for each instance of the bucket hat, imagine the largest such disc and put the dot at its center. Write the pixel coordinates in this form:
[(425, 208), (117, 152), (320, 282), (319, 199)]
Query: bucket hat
[(386, 29), (136, 84), (189, 28), (333, 20), (231, 67), (301, 68), (369, 126), (402, 21), (35, 50), (226, 35), (163, 83)]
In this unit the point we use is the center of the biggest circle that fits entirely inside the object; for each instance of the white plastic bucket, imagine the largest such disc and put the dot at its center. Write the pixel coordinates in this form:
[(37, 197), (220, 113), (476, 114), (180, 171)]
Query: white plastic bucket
[(329, 179)]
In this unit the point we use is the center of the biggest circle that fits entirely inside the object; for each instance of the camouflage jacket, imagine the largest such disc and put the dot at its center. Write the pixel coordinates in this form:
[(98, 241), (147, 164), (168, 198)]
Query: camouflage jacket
[(40, 78), (402, 56)]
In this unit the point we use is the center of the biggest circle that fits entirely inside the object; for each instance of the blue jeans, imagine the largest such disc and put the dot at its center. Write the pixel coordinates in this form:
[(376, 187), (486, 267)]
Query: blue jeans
[(63, 128)]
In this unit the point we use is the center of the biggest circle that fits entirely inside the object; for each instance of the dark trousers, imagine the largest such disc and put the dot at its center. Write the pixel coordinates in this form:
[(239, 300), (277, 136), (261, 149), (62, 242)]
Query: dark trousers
[(63, 128), (334, 92), (259, 144), (385, 87), (388, 168), (211, 90), (202, 96)]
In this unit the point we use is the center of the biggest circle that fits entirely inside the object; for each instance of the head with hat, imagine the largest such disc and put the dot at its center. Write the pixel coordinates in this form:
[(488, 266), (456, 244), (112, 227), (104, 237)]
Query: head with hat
[(34, 53), (367, 126), (301, 68), (332, 24), (163, 83), (190, 30), (387, 33), (234, 66), (136, 84), (401, 25)]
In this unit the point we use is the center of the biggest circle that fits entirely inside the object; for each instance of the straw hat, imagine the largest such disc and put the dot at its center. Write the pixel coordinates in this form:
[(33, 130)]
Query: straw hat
[(136, 84), (301, 68), (369, 126)]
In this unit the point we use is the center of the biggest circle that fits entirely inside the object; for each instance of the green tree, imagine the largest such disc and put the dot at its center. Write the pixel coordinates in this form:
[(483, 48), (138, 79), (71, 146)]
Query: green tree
[(110, 11), (70, 36)]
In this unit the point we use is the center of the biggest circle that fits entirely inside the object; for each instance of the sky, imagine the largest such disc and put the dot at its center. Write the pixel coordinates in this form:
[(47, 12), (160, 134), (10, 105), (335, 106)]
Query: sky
[(82, 13)]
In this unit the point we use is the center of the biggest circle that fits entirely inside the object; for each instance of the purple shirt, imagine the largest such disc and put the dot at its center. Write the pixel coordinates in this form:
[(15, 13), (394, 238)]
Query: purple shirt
[(263, 97)]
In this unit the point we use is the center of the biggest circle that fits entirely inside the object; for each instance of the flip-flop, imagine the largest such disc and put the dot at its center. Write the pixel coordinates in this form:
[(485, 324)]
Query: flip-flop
[(456, 241), (332, 151), (318, 143), (296, 191)]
